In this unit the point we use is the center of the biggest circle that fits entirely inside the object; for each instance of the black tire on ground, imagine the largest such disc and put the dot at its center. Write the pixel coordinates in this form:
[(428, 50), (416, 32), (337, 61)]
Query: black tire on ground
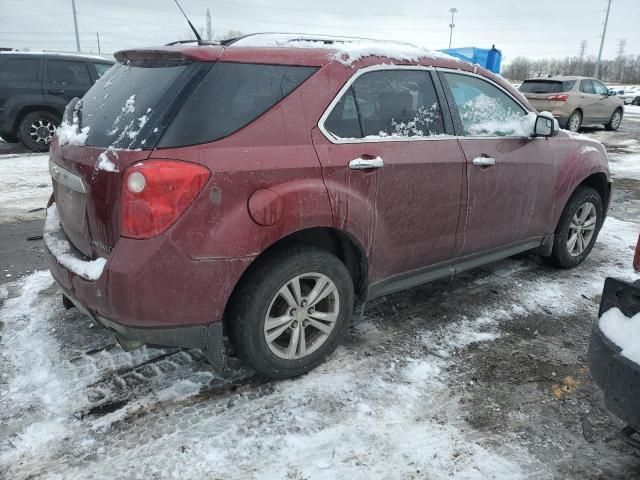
[(576, 127), (614, 121), (257, 292), (32, 127), (636, 101), (561, 256), (7, 137)]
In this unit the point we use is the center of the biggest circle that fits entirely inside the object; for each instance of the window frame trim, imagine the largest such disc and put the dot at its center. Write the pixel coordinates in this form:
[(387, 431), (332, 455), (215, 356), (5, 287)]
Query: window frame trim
[(382, 67)]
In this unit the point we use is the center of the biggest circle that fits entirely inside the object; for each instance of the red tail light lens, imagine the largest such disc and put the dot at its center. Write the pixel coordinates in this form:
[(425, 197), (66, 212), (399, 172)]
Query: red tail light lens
[(558, 98), (155, 193), (636, 258)]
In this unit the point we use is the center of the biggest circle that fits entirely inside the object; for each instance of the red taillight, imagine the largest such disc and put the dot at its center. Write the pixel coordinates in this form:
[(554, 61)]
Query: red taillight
[(636, 258), (155, 193), (558, 98)]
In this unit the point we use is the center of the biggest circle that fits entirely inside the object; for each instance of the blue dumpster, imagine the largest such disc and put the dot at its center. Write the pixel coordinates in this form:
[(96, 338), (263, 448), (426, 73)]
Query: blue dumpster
[(487, 58)]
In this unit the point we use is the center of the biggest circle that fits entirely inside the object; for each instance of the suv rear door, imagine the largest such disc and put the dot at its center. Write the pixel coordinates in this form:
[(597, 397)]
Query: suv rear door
[(406, 206), (510, 176), (588, 101), (65, 79)]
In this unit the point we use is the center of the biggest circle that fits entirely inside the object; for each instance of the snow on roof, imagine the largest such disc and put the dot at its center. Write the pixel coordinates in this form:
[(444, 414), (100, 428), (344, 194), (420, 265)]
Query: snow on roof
[(623, 331), (347, 50)]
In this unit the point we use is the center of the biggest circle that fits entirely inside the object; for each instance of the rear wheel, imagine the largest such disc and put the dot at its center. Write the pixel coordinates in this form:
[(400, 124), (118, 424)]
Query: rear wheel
[(575, 121), (615, 120), (36, 130), (578, 228), (291, 311)]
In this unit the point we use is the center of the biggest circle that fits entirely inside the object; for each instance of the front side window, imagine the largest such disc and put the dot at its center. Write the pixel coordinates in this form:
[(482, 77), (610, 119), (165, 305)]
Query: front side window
[(101, 68), (388, 103), (485, 110), (63, 72), (20, 70), (599, 88)]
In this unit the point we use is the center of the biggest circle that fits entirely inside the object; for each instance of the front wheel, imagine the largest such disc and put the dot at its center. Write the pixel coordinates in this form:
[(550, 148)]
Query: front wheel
[(636, 101), (291, 311), (578, 228), (615, 120)]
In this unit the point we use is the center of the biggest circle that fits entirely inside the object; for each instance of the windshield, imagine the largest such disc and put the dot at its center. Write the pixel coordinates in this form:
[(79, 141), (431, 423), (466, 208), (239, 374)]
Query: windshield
[(124, 107), (546, 86)]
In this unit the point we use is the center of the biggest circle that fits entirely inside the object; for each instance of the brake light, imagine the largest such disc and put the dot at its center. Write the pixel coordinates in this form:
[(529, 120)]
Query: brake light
[(636, 258), (558, 98), (155, 193)]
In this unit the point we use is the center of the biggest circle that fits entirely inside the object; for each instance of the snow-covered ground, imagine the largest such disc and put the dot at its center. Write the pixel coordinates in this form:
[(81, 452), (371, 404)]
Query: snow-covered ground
[(399, 400), (25, 185)]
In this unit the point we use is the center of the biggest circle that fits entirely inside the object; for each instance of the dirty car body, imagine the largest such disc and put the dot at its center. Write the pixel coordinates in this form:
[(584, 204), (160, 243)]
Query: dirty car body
[(257, 151)]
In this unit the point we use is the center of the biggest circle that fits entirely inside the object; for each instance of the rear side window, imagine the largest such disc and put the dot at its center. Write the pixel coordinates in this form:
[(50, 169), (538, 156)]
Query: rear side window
[(484, 109), (586, 86), (229, 97), (546, 86), (20, 70), (388, 103), (63, 72)]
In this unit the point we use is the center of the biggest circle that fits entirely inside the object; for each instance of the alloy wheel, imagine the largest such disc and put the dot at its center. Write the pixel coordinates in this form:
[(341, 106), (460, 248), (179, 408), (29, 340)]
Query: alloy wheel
[(41, 131), (582, 229), (574, 122), (616, 119), (301, 316)]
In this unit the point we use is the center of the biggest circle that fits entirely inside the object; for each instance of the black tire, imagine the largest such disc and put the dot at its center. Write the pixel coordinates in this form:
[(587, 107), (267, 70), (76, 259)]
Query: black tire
[(560, 256), (9, 138), (575, 113), (35, 140), (636, 101), (614, 123), (252, 300)]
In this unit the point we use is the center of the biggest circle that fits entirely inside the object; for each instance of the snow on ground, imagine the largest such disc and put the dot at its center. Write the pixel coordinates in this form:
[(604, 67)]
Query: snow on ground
[(25, 185)]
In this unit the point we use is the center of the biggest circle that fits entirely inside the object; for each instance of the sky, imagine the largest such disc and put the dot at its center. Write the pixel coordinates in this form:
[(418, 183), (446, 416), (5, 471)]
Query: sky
[(537, 28)]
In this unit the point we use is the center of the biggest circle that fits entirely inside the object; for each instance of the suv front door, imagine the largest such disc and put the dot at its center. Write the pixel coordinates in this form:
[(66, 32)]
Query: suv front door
[(393, 169), (64, 80), (510, 176), (605, 105)]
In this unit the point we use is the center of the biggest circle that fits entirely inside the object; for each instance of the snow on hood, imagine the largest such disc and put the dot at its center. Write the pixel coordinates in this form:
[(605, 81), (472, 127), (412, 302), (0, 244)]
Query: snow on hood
[(622, 331)]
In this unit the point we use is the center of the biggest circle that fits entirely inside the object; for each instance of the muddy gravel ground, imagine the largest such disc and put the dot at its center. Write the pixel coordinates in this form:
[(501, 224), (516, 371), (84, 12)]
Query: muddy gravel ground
[(479, 376)]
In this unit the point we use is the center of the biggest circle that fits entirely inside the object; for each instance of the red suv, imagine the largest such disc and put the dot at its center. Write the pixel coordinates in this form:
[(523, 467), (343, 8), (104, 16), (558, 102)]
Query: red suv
[(257, 191)]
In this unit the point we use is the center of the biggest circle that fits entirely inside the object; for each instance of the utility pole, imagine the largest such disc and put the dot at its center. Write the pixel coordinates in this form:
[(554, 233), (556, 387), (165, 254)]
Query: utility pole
[(98, 37), (621, 44), (583, 48), (75, 24), (208, 25), (620, 58), (604, 33), (453, 11)]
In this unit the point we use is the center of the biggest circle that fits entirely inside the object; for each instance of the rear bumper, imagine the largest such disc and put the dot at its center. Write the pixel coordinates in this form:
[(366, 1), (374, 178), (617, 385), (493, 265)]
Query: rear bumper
[(617, 376)]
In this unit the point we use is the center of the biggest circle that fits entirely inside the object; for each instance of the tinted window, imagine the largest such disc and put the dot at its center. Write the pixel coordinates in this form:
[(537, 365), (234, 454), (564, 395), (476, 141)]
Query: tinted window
[(586, 86), (343, 120), (484, 109), (546, 86), (394, 103), (20, 69), (230, 96), (63, 72), (101, 68), (599, 88), (124, 106)]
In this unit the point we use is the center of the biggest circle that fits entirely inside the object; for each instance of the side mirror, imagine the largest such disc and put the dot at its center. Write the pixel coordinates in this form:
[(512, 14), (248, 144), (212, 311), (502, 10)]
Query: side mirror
[(612, 93), (546, 125)]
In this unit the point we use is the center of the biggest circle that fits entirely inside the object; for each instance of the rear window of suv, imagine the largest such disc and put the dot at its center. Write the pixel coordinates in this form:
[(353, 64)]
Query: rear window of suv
[(230, 96), (171, 105), (546, 86)]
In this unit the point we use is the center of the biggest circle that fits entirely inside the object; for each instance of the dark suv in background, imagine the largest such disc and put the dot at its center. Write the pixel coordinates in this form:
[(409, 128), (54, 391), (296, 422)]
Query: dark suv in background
[(35, 89)]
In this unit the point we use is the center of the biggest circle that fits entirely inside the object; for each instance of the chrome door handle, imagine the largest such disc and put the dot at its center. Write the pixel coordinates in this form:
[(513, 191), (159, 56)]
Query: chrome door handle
[(366, 163), (484, 161)]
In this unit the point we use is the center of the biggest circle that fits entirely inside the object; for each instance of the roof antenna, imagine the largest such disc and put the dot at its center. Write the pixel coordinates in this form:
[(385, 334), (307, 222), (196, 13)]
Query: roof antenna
[(193, 29)]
